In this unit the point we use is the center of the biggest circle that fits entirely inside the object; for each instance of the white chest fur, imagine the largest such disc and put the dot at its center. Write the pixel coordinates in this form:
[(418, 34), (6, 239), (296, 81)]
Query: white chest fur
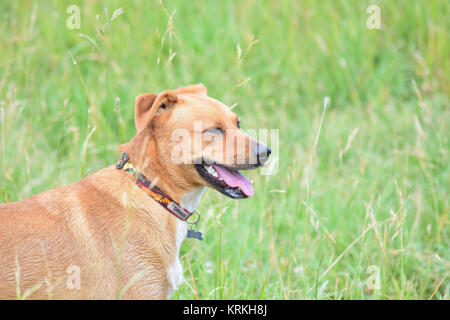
[(190, 201)]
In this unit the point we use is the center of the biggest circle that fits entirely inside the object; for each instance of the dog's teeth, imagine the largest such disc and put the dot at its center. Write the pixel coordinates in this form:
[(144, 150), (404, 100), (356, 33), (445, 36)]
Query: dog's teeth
[(212, 171)]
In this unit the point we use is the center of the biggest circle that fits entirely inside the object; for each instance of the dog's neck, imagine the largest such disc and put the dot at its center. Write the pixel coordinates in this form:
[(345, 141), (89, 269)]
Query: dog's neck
[(142, 150), (191, 200)]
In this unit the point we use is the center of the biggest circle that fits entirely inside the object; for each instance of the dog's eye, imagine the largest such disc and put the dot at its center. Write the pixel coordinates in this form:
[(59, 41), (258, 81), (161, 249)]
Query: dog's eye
[(239, 124), (214, 130)]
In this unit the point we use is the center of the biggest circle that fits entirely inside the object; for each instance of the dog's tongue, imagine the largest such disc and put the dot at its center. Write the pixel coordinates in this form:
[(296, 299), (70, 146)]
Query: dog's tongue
[(234, 178)]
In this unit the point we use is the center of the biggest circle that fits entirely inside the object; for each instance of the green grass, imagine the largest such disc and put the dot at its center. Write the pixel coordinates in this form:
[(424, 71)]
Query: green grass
[(377, 197)]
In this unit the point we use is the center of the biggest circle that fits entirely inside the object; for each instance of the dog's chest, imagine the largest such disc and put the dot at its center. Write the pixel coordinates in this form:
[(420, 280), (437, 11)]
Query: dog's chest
[(175, 271)]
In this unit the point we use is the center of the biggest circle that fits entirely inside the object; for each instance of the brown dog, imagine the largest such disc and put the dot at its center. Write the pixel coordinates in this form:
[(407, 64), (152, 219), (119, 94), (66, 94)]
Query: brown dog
[(110, 235)]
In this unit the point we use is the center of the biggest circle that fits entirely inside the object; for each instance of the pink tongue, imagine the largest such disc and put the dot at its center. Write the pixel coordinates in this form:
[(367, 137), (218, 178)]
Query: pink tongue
[(235, 179)]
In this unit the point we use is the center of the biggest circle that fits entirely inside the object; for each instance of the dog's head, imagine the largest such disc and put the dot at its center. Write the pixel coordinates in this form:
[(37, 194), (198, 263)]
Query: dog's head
[(194, 140)]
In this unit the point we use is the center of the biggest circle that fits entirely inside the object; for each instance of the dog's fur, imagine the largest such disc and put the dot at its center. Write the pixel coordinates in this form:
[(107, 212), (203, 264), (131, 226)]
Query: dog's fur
[(104, 228)]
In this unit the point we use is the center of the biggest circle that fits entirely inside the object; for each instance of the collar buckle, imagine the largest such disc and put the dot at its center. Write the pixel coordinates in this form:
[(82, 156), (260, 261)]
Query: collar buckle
[(122, 161)]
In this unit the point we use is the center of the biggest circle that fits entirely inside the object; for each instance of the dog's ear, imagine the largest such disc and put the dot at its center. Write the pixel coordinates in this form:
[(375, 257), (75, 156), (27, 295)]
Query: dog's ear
[(198, 88), (148, 105)]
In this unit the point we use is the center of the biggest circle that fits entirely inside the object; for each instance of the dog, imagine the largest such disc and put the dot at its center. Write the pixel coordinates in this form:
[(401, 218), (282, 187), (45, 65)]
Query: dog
[(117, 233)]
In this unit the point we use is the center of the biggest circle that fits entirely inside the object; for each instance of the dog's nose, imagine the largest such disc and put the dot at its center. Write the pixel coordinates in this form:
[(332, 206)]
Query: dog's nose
[(262, 153)]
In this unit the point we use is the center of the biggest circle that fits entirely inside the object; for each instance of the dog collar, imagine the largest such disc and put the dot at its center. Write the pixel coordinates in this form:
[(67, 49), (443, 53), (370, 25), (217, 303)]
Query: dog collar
[(159, 196)]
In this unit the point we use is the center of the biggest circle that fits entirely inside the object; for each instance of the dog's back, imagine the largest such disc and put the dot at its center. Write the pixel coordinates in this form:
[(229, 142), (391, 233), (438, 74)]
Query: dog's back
[(41, 244), (78, 231)]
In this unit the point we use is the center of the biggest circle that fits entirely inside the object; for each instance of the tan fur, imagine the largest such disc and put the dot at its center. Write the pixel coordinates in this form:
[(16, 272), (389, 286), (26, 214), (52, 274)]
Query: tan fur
[(112, 230)]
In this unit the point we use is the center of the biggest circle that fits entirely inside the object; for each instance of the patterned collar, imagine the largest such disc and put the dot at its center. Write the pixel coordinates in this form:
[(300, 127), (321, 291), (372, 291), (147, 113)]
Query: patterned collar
[(164, 200), (152, 190)]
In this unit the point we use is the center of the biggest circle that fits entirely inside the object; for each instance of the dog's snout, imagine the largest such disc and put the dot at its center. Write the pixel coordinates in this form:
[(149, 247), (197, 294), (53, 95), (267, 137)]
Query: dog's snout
[(262, 153)]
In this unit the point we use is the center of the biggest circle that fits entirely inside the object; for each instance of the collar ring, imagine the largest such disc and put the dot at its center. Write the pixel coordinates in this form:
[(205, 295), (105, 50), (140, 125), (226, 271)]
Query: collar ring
[(195, 223)]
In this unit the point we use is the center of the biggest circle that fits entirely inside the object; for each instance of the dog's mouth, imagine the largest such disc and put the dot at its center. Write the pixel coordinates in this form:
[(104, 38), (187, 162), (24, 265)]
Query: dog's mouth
[(226, 180)]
